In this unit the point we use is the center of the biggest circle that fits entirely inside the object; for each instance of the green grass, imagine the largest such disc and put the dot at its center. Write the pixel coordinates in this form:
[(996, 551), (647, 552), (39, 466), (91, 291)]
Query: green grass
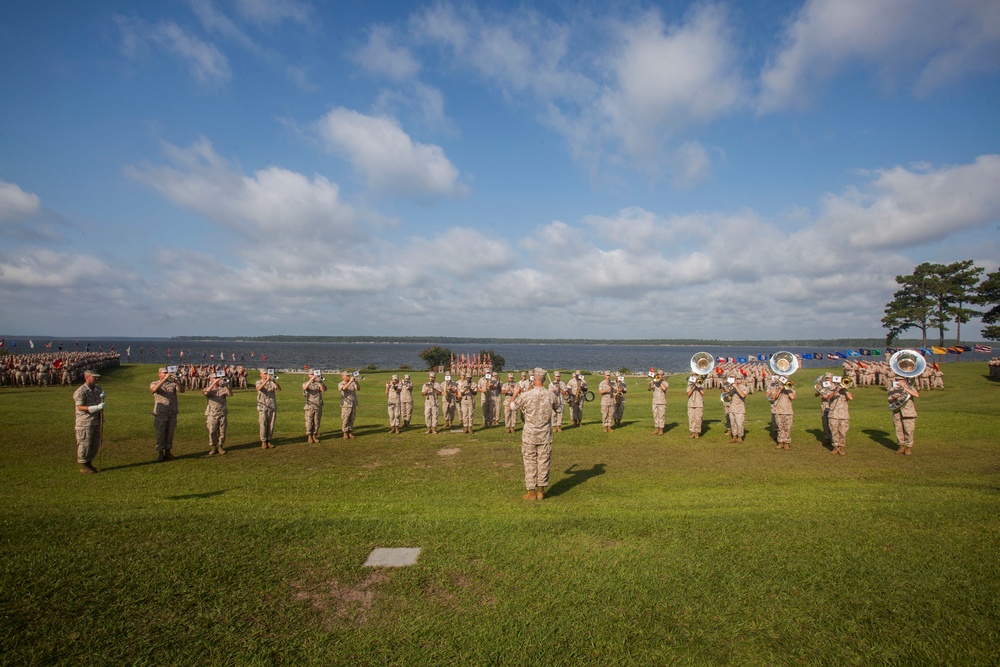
[(649, 550)]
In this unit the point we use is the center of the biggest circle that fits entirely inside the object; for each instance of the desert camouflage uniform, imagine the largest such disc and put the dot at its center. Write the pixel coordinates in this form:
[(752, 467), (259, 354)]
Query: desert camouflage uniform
[(539, 405)]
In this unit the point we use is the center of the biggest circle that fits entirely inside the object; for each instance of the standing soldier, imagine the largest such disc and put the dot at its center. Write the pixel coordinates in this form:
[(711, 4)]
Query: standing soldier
[(485, 386), (509, 413), (313, 390), (267, 406), (840, 416), (466, 391), (578, 394), (165, 411), (560, 389), (89, 408), (393, 389), (348, 388), (405, 401), (430, 391), (449, 400), (621, 388), (658, 385), (216, 412), (737, 407), (607, 390), (695, 404), (496, 399), (539, 405), (825, 391), (781, 396), (904, 417)]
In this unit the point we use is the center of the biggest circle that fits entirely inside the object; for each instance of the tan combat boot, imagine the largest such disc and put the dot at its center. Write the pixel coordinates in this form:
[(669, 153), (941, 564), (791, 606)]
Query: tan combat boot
[(530, 495)]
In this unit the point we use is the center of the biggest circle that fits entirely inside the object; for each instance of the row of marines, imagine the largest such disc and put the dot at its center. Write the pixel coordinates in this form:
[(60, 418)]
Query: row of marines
[(52, 368)]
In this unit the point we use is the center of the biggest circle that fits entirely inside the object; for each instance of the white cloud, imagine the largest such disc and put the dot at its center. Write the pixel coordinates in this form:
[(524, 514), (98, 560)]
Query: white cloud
[(903, 207), (272, 205), (15, 203), (389, 159), (668, 79), (380, 57), (932, 42), (38, 268), (272, 12), (207, 64)]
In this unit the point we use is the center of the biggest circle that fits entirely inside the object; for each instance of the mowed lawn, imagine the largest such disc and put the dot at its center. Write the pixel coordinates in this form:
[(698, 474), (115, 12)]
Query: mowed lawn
[(649, 550)]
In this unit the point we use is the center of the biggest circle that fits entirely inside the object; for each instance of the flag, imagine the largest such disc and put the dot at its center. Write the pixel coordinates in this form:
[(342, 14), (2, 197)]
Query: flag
[(862, 364), (720, 360), (938, 350), (48, 346), (57, 363), (31, 343), (985, 349), (742, 360), (956, 349), (128, 351), (965, 348), (876, 353), (14, 343), (1, 342), (182, 354), (807, 355)]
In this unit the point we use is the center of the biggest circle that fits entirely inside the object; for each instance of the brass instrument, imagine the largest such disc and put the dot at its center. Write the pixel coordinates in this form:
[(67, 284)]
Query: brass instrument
[(784, 363), (846, 382), (907, 363), (702, 363)]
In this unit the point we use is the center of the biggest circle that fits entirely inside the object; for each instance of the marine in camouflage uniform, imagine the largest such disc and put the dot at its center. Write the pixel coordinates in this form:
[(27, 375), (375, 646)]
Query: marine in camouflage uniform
[(449, 400), (217, 414), (781, 397), (607, 390), (88, 402), (466, 391), (560, 389), (267, 408), (406, 401), (905, 419), (621, 388), (348, 389), (313, 390), (538, 405), (738, 408), (509, 413), (577, 389), (839, 418), (695, 406), (165, 392), (393, 391), (485, 387), (658, 385), (430, 391)]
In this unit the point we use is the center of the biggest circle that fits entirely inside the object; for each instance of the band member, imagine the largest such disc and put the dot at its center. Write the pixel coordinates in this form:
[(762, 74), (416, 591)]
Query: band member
[(825, 391), (406, 401), (165, 412), (89, 410), (484, 387), (658, 385), (578, 393), (449, 399), (560, 388), (781, 396), (904, 417), (267, 407), (348, 388), (539, 405), (217, 414), (509, 413), (840, 416), (737, 390), (313, 391), (621, 388), (393, 389), (607, 389), (466, 394), (430, 391), (695, 405)]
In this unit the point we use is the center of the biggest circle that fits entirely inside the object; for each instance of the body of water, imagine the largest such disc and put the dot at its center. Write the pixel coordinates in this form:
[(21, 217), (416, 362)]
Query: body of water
[(335, 356)]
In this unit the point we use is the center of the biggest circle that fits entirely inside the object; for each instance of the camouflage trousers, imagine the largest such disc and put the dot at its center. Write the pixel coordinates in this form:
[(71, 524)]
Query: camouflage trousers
[(737, 421), (216, 425), (347, 413), (695, 415), (164, 426), (431, 414), (468, 412), (313, 417), (838, 431), (394, 414), (783, 422), (266, 419), (88, 441), (904, 429), (536, 464), (659, 415)]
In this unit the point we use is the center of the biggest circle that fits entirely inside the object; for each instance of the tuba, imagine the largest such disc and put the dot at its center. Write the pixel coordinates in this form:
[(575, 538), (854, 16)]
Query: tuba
[(702, 363), (784, 363), (907, 363)]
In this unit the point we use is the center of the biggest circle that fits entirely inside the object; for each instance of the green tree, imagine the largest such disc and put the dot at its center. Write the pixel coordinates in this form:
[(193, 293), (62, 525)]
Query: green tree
[(436, 356), (496, 360), (911, 306), (961, 280), (989, 295)]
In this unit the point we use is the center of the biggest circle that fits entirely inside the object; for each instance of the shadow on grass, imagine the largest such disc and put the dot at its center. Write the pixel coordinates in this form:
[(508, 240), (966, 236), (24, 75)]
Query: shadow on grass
[(667, 428), (881, 437), (576, 477), (194, 496), (706, 425), (820, 438)]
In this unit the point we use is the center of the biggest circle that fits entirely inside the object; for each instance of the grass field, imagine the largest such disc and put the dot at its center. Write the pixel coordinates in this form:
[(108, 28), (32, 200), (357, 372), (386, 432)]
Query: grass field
[(647, 551)]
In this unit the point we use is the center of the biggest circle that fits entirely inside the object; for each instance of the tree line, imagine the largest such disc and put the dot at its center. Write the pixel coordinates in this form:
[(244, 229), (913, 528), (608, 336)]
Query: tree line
[(937, 295)]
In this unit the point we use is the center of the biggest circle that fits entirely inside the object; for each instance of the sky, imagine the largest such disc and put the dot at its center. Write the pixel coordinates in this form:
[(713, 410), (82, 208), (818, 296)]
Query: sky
[(745, 170)]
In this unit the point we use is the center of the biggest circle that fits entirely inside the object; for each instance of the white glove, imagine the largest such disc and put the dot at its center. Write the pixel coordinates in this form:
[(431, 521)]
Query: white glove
[(95, 408)]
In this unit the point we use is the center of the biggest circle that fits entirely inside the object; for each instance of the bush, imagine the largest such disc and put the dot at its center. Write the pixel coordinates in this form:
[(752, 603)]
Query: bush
[(436, 356)]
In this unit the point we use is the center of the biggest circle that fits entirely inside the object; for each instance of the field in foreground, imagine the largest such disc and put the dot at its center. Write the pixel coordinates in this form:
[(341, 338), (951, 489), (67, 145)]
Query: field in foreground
[(648, 551)]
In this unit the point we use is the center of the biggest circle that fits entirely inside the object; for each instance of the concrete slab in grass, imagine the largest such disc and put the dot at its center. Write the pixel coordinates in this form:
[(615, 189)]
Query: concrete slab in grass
[(382, 557)]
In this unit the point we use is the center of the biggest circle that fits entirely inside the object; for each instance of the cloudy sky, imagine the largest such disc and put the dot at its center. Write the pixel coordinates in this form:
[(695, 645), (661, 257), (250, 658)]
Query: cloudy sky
[(753, 169)]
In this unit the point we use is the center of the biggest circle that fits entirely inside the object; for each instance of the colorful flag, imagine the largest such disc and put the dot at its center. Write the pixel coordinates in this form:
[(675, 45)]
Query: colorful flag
[(985, 349), (938, 350), (48, 346), (807, 355), (31, 343), (1, 342), (965, 348), (742, 360), (956, 349)]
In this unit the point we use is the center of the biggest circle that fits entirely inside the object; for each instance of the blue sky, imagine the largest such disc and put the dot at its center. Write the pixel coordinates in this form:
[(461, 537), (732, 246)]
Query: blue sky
[(760, 169)]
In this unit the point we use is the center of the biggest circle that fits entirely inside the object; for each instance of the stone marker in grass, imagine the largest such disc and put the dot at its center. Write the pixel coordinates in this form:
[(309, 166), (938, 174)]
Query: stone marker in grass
[(383, 557)]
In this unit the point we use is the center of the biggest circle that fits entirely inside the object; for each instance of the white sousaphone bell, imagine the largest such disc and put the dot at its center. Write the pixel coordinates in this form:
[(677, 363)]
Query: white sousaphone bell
[(907, 364), (702, 363), (784, 363)]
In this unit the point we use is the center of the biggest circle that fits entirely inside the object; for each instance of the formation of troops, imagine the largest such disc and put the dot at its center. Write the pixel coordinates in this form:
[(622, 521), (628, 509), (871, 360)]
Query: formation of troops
[(538, 400)]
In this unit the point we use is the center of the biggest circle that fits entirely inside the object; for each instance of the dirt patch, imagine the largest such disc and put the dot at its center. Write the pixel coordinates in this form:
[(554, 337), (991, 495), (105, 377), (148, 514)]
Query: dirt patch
[(340, 604), (448, 451)]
